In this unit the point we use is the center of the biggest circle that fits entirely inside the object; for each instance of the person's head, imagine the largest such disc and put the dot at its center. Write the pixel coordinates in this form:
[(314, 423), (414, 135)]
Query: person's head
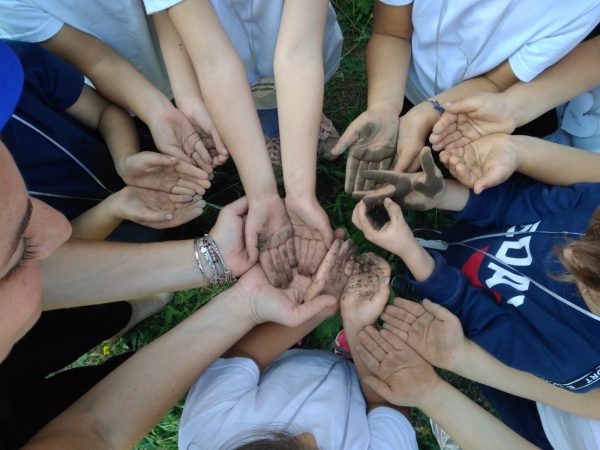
[(581, 258), (271, 439), (29, 229)]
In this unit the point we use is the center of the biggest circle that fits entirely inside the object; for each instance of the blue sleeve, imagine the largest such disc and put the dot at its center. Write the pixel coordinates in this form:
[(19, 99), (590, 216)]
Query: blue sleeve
[(53, 80), (522, 200), (497, 329)]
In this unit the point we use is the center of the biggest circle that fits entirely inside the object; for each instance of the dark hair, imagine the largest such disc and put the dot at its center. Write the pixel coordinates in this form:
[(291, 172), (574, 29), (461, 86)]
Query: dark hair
[(583, 259), (264, 439)]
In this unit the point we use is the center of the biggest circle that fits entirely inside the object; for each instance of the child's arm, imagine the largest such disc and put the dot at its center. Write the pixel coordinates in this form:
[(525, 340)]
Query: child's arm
[(151, 208), (172, 132), (299, 79), (437, 336), (490, 160), (402, 377), (267, 342), (362, 302), (184, 84), (141, 169), (479, 115), (223, 83), (372, 137)]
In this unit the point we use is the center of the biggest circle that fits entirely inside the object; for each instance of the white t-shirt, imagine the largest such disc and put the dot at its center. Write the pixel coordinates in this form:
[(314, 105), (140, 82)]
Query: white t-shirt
[(567, 431), (476, 36), (121, 24), (253, 27), (305, 390)]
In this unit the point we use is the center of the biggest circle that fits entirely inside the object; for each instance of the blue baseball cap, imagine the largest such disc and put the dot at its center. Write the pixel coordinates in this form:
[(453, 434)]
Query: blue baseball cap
[(11, 82)]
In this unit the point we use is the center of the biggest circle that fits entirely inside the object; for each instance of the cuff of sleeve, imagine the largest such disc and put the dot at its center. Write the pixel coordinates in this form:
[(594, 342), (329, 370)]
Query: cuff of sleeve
[(443, 283), (478, 206), (156, 6)]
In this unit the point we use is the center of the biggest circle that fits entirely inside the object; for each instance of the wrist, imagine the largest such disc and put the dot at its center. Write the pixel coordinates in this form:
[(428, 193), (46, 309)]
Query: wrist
[(434, 397), (419, 262), (384, 107), (423, 115)]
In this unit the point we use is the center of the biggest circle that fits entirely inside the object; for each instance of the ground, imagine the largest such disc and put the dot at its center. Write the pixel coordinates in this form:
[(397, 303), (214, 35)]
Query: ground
[(345, 98)]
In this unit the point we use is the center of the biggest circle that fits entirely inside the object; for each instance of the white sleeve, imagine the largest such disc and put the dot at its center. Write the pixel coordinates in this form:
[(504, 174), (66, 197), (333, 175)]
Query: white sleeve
[(396, 2), (219, 388), (390, 430), (537, 55), (21, 21), (156, 6)]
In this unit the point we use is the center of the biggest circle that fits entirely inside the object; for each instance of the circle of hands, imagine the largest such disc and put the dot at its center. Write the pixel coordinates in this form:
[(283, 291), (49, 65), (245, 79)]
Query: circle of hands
[(398, 356)]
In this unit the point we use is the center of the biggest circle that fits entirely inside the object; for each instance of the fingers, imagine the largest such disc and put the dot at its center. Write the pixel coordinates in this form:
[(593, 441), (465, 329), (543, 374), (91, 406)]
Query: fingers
[(307, 310), (445, 124), (376, 197), (393, 210), (464, 105), (198, 187), (368, 340), (180, 198), (414, 308), (369, 183), (351, 171), (437, 311), (190, 171), (270, 267), (291, 251), (194, 147), (360, 182), (180, 190), (380, 388), (382, 176), (252, 244)]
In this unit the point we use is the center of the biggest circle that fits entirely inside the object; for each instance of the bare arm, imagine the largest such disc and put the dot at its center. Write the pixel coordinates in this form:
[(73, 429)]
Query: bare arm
[(118, 411), (403, 377), (223, 83)]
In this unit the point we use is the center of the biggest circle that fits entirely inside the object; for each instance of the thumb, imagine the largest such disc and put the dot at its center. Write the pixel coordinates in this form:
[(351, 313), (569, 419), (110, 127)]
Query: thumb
[(308, 310), (492, 177), (393, 210), (437, 311), (148, 216), (380, 388), (464, 105), (239, 207), (349, 137)]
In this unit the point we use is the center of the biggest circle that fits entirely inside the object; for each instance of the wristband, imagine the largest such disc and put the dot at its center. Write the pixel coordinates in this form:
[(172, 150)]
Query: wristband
[(437, 106)]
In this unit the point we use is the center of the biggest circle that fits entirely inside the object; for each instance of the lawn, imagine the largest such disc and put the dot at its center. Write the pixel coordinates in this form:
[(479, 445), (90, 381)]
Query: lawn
[(345, 98)]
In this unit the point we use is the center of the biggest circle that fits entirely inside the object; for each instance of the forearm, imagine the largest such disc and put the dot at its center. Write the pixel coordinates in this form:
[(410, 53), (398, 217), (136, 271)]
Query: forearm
[(226, 93), (417, 260), (554, 163), (577, 72), (299, 80), (496, 80), (97, 222), (467, 423), (120, 136), (118, 411), (478, 365), (455, 196), (182, 76), (103, 65), (388, 58), (90, 272), (266, 342)]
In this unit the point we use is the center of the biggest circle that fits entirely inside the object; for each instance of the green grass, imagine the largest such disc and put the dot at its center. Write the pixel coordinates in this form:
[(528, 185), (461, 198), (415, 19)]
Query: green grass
[(345, 98)]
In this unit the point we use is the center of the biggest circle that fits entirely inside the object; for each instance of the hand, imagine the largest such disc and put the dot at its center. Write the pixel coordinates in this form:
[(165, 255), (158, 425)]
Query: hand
[(419, 191), (156, 209), (196, 112), (228, 233), (312, 233), (394, 236), (163, 173), (470, 119), (484, 163), (334, 271), (400, 375), (174, 135), (366, 293), (372, 139), (270, 237), (413, 131), (430, 329), (284, 306)]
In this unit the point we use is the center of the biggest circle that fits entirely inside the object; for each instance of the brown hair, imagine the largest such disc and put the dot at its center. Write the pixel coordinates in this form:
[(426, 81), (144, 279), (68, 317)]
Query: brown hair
[(581, 258), (264, 439)]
